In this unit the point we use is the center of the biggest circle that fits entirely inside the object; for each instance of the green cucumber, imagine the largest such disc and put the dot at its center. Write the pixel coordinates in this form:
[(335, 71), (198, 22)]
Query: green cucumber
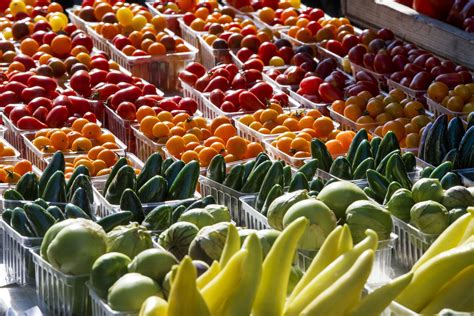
[(130, 202), (360, 136), (309, 168), (299, 182), (111, 221), (154, 190), (217, 169), (320, 152), (184, 185), (341, 168), (151, 168), (361, 170)]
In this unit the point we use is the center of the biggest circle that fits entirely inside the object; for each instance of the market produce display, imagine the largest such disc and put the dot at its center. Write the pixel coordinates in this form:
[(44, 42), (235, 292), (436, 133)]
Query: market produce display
[(287, 161)]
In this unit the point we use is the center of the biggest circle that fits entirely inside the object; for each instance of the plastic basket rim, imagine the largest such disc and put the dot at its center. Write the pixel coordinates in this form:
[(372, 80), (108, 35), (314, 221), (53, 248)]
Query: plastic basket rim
[(22, 239), (191, 54), (28, 143)]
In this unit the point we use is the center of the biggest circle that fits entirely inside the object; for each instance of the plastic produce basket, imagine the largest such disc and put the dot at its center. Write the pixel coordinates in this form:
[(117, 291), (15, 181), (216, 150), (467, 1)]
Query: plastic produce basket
[(105, 208), (171, 19), (321, 107), (211, 57), (252, 218), (145, 147), (211, 111), (347, 124), (411, 244), (120, 128), (277, 154), (17, 258), (162, 71), (100, 307), (439, 109), (188, 34), (59, 293), (100, 42), (418, 95), (224, 196), (38, 157), (135, 163)]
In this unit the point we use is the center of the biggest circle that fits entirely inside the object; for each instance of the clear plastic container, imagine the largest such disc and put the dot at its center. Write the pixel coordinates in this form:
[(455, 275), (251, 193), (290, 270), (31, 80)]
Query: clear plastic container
[(277, 154), (59, 293), (411, 243), (105, 208), (252, 218), (121, 128), (211, 111), (135, 163), (189, 35), (321, 107), (100, 42), (162, 71), (77, 21), (101, 308), (17, 259), (381, 78), (439, 109), (211, 57), (224, 196), (145, 147), (171, 19), (347, 124), (38, 158), (418, 95)]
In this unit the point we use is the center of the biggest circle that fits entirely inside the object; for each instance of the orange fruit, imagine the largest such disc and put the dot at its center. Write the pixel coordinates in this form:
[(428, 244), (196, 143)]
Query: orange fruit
[(29, 46), (23, 166), (81, 144), (236, 146), (225, 131), (107, 156), (175, 145), (59, 140), (323, 126), (91, 130), (206, 155), (61, 45), (335, 147)]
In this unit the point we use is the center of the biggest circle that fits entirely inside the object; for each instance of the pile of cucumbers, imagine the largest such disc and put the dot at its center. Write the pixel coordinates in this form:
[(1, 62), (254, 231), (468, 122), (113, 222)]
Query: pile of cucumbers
[(364, 155), (159, 180), (447, 140)]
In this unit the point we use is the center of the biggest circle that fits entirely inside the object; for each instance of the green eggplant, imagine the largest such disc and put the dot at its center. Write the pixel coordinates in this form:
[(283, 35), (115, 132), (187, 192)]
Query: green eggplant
[(130, 202), (151, 168), (55, 190)]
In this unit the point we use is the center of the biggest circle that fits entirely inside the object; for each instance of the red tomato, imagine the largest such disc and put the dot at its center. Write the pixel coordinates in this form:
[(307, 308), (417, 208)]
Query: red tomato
[(149, 89), (57, 116), (16, 87), (79, 105), (18, 112), (129, 94), (329, 93), (81, 82), (168, 105), (49, 84), (196, 68), (266, 51), (228, 107), (189, 105), (30, 123), (90, 117), (39, 102), (310, 85), (29, 94), (188, 77), (41, 113), (97, 76), (262, 90), (127, 110), (218, 82), (249, 101), (254, 63), (105, 91)]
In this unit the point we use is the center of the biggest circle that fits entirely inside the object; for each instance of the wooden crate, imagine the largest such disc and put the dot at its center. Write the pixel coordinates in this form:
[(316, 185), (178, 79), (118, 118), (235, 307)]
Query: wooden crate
[(434, 35)]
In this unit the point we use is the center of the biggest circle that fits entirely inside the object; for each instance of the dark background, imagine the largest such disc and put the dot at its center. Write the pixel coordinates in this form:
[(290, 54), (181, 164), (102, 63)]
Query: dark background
[(331, 7)]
